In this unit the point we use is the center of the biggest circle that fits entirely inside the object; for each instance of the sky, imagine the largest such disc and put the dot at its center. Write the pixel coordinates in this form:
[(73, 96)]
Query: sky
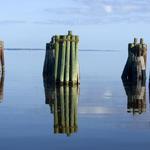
[(100, 24)]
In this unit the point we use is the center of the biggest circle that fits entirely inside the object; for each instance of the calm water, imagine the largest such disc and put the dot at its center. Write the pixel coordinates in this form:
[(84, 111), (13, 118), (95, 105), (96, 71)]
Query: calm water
[(96, 115)]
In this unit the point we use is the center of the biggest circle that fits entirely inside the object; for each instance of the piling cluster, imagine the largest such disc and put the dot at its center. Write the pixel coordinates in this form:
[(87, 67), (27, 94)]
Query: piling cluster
[(61, 60), (63, 102), (135, 68)]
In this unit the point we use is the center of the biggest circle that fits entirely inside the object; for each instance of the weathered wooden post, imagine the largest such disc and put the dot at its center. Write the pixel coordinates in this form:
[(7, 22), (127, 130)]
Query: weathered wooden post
[(67, 65), (49, 61), (135, 68), (2, 57), (61, 60)]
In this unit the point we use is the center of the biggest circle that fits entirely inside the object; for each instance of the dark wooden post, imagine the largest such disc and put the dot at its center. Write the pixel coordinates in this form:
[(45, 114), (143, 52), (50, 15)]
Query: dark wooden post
[(48, 69), (2, 57)]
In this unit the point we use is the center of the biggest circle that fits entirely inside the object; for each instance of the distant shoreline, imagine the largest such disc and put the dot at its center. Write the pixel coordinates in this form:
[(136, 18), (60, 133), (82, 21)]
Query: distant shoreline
[(19, 49), (40, 49)]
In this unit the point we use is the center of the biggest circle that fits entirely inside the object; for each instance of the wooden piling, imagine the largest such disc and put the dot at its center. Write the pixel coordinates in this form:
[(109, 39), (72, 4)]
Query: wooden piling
[(76, 55), (67, 64), (2, 57), (48, 69), (56, 57), (46, 59), (143, 50), (73, 62), (135, 41), (62, 59)]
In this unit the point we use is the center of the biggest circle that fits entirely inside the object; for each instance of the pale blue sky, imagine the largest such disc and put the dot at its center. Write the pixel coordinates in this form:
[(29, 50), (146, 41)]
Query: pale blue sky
[(101, 24)]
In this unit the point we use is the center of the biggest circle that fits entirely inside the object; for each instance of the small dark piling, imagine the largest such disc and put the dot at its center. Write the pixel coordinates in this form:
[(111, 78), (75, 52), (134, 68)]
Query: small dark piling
[(1, 58), (135, 68), (61, 60)]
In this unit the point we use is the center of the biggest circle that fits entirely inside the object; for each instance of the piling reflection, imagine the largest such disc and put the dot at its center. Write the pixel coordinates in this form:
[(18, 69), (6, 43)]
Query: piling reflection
[(1, 88), (63, 102), (136, 96), (149, 89)]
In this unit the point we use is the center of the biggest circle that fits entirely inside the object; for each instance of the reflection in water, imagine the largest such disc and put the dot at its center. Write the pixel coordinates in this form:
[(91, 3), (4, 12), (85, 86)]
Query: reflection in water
[(149, 89), (63, 101), (136, 96), (1, 88)]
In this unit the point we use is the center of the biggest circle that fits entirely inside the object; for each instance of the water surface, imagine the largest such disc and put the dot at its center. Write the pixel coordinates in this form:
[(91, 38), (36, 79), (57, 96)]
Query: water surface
[(96, 115)]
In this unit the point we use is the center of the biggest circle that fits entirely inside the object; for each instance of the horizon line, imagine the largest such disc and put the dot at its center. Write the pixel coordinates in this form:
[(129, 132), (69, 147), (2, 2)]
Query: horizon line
[(42, 49)]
